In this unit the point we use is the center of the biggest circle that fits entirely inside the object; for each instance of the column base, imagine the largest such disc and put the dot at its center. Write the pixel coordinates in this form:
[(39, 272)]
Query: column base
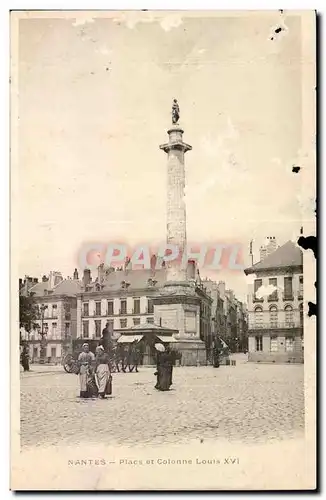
[(193, 352)]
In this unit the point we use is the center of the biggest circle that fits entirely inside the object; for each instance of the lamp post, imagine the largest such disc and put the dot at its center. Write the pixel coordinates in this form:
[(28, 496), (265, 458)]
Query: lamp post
[(43, 334)]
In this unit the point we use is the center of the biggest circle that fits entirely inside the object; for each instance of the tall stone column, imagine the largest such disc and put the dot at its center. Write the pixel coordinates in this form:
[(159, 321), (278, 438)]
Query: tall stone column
[(177, 305), (176, 207)]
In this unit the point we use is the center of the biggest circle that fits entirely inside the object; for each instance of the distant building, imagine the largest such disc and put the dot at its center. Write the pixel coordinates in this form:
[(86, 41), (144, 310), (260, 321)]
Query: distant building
[(229, 316), (59, 317), (276, 320)]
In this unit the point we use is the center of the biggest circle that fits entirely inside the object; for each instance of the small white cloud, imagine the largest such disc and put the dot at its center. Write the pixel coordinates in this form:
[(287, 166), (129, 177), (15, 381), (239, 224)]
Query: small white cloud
[(82, 20), (171, 21), (201, 51)]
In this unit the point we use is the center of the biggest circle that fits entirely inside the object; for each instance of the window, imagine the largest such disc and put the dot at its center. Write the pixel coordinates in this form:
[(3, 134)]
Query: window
[(85, 329), (35, 352), (289, 344), (97, 328), (123, 323), (136, 321), (274, 343), (301, 314), (110, 325), (136, 309), (300, 286), (257, 285), (98, 308), (258, 316), (150, 320), (259, 343), (53, 352), (123, 307), (54, 330), (45, 328), (150, 306), (110, 308), (273, 316), (54, 311), (288, 292), (67, 330), (273, 295), (288, 316), (86, 309)]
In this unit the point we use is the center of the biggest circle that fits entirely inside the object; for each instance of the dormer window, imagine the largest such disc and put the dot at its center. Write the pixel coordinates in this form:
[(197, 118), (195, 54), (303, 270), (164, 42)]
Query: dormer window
[(125, 284), (151, 282)]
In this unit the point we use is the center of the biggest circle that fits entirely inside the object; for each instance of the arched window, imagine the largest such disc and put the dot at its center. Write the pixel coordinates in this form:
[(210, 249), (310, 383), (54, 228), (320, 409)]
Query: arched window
[(288, 316), (301, 314), (273, 316), (258, 316)]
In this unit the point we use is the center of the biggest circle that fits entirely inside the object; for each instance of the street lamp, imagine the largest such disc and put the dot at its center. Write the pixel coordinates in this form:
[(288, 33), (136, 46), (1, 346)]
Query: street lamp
[(43, 334)]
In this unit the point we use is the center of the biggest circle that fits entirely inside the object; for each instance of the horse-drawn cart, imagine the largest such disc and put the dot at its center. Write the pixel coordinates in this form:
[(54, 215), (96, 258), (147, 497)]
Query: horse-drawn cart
[(122, 357)]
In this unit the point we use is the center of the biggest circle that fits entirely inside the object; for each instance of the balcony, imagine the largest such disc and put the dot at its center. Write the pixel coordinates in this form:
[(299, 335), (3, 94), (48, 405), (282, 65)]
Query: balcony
[(287, 297), (256, 299), (300, 296), (123, 311), (275, 326), (272, 298)]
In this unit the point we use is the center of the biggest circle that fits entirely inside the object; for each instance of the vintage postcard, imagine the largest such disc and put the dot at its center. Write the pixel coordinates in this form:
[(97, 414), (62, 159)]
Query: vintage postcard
[(163, 330)]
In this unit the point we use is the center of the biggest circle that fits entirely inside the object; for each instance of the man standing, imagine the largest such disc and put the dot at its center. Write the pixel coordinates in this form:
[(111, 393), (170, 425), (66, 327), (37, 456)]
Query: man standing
[(24, 358), (105, 340)]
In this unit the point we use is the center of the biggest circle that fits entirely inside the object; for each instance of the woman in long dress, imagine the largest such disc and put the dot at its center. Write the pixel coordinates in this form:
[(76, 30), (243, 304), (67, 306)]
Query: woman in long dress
[(102, 371), (164, 369), (86, 360)]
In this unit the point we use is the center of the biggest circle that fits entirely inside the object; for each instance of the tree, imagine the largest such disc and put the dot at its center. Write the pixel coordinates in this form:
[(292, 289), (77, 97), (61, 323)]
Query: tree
[(28, 313)]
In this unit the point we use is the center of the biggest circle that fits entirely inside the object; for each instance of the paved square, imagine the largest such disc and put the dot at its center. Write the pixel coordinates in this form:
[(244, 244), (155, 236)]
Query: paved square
[(248, 402)]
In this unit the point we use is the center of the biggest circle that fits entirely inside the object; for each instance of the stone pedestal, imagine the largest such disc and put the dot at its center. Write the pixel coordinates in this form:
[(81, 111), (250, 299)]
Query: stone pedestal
[(178, 307)]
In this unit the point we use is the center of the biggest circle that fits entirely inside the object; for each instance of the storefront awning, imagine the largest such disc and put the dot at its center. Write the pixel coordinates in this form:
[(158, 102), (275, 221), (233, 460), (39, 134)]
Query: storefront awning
[(128, 339), (166, 338)]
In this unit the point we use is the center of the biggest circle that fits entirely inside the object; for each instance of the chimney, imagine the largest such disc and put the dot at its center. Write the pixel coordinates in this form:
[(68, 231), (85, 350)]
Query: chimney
[(20, 283), (221, 288), (87, 277), (153, 263), (191, 270), (127, 264), (75, 274)]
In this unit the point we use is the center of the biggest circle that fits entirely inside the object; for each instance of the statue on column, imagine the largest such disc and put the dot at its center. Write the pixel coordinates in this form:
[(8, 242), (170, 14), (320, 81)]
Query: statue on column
[(175, 112)]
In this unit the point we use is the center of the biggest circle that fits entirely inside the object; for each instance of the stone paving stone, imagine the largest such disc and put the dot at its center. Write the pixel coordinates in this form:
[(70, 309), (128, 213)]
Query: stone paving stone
[(249, 402)]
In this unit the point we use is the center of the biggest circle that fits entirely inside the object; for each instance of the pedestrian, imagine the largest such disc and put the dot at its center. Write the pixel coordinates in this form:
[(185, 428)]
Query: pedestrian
[(86, 361), (164, 368), (102, 372), (24, 358)]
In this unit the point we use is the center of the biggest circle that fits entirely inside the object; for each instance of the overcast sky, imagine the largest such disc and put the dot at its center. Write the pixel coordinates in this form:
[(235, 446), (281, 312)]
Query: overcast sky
[(95, 100)]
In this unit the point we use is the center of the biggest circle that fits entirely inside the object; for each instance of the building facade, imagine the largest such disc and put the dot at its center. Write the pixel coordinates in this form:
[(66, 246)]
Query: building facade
[(126, 298), (275, 306), (56, 302)]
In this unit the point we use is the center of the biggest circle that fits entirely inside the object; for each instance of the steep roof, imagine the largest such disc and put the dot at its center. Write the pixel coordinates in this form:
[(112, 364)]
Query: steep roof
[(137, 279), (286, 256), (65, 287)]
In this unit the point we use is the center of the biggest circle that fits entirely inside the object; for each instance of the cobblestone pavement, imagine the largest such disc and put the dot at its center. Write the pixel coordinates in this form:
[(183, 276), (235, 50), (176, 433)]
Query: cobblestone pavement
[(248, 402)]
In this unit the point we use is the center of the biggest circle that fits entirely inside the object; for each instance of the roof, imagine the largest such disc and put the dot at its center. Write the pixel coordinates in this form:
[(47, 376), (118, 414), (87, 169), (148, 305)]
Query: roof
[(65, 287), (288, 255), (137, 279)]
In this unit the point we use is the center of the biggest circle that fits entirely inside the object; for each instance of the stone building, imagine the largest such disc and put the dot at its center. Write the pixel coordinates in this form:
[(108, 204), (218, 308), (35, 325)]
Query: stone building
[(56, 300), (275, 306), (128, 297)]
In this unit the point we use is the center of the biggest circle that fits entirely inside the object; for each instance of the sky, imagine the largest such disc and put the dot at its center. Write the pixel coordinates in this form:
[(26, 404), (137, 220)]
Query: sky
[(95, 96)]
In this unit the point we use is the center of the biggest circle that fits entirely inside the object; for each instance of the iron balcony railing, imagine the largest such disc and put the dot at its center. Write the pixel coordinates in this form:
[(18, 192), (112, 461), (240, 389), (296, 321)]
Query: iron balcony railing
[(273, 326)]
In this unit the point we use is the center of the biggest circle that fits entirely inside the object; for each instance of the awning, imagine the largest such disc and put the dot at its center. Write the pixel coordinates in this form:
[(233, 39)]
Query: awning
[(128, 339), (166, 338)]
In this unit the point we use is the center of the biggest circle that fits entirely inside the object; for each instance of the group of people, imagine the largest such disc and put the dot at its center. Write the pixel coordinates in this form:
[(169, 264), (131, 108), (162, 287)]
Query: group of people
[(95, 377), (94, 373)]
